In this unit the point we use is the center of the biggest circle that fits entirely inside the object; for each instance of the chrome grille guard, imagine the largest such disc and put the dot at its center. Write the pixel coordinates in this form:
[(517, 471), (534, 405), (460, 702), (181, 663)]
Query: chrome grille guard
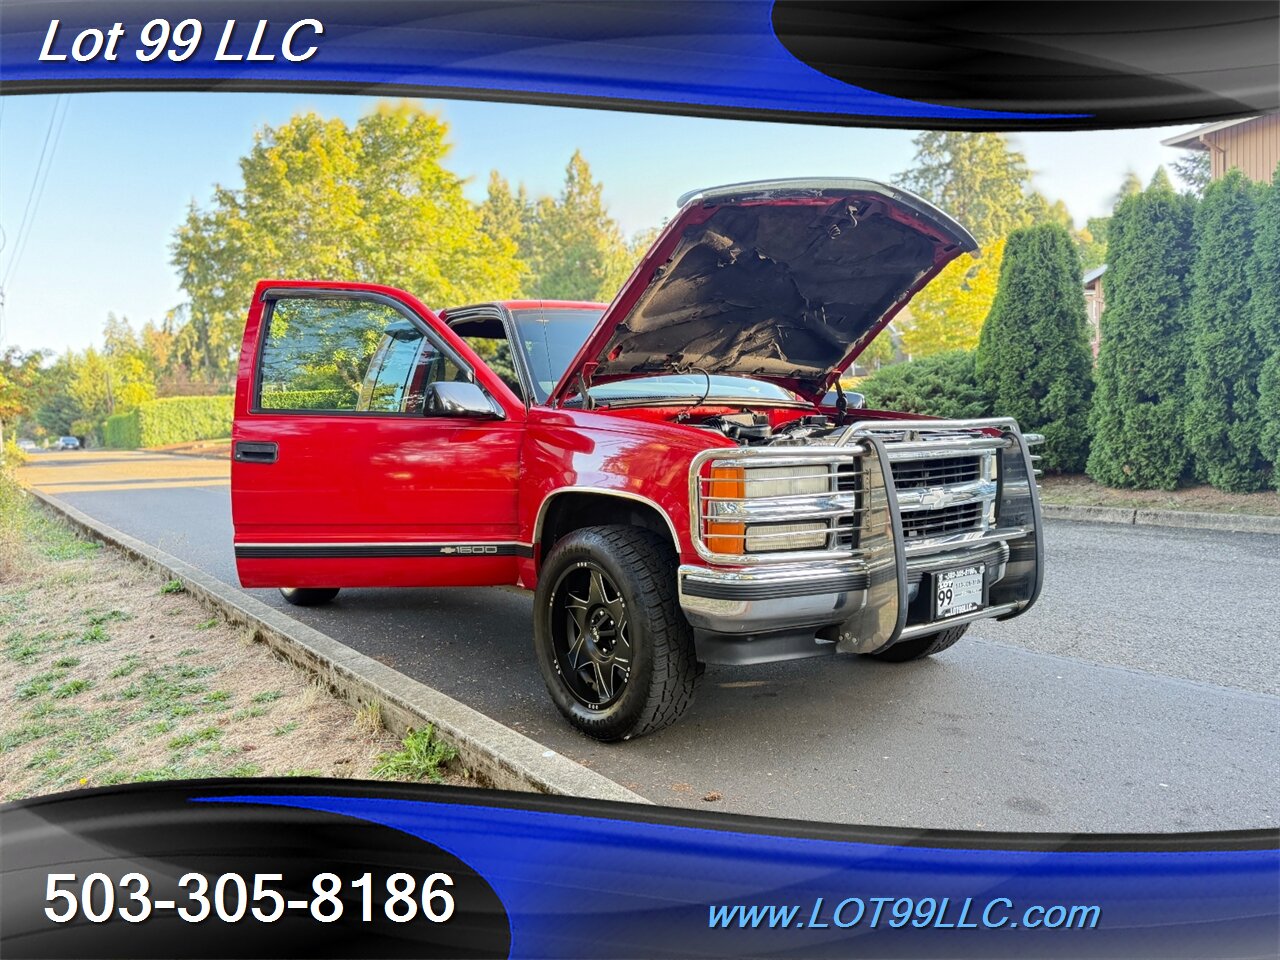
[(872, 512)]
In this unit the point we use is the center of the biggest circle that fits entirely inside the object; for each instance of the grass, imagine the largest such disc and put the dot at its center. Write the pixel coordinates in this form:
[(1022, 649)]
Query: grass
[(369, 719), (420, 757), (1079, 491), (95, 634), (71, 688), (110, 674)]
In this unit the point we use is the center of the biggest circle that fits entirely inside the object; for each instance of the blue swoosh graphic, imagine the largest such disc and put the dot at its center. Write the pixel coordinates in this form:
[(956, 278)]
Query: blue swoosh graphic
[(576, 885)]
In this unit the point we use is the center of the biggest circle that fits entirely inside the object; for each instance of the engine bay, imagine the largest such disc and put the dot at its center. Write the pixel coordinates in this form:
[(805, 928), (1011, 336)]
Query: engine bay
[(755, 430)]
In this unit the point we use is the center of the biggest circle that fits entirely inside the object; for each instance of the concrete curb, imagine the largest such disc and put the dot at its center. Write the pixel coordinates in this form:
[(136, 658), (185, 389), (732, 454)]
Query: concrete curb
[(1234, 522), (498, 756)]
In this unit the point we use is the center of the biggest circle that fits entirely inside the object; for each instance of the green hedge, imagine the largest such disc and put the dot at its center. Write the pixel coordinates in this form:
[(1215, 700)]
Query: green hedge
[(121, 431), (158, 423), (941, 385), (339, 399)]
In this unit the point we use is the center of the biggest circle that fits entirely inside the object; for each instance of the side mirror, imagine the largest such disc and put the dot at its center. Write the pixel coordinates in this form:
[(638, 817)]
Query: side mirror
[(447, 398)]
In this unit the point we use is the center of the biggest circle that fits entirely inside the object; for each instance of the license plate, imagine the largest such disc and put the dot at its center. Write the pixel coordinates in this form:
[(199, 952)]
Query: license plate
[(958, 591)]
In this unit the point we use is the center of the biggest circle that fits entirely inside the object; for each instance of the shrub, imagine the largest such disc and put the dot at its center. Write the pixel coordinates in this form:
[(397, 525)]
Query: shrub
[(12, 455), (1033, 357), (1264, 318), (1223, 423), (157, 423), (1138, 409), (942, 385)]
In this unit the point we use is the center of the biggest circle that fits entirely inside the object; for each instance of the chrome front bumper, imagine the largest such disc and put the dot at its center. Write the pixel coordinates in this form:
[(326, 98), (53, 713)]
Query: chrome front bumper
[(779, 613)]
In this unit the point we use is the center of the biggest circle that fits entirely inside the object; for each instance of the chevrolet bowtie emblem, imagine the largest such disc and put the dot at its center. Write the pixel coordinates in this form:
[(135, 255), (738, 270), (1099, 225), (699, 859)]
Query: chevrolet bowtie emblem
[(448, 549)]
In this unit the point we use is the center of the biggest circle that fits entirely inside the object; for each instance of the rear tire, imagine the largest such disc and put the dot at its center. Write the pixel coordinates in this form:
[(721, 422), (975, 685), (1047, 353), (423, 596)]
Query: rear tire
[(613, 646), (917, 648), (308, 596)]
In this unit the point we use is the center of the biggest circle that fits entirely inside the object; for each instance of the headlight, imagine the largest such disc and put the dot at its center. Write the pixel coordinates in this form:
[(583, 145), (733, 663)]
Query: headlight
[(786, 481), (729, 487), (766, 537)]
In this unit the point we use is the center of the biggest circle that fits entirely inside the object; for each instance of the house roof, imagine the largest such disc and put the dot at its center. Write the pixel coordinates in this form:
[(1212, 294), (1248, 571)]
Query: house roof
[(1094, 274), (1191, 139)]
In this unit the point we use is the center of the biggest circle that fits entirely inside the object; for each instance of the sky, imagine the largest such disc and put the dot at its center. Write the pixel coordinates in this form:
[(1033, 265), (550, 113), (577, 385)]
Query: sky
[(125, 167)]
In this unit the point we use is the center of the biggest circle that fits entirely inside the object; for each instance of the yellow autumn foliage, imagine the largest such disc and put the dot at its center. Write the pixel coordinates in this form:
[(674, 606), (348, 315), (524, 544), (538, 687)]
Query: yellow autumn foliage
[(948, 314)]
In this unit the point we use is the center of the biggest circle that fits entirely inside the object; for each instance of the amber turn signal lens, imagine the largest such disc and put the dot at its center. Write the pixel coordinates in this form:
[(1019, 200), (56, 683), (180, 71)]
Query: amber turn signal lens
[(725, 536)]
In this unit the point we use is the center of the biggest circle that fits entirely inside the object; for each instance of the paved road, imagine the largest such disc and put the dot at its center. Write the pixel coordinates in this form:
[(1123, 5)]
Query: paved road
[(1139, 695)]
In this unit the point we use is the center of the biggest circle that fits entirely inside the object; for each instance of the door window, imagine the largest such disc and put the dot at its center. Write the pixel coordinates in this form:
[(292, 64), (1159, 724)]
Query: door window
[(346, 356)]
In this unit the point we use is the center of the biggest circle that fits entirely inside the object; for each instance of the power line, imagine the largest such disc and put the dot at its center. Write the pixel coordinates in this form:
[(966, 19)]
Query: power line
[(35, 176), (38, 180)]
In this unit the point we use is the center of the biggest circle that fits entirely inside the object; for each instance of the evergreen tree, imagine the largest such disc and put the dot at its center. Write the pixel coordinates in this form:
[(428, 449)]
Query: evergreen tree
[(575, 249), (1129, 186), (976, 178), (1264, 316), (1194, 169), (1033, 355), (1223, 423), (1137, 416), (503, 218)]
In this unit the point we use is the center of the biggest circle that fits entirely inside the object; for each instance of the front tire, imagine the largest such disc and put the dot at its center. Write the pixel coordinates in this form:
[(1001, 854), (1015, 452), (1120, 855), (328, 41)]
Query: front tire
[(614, 648), (308, 596), (917, 648)]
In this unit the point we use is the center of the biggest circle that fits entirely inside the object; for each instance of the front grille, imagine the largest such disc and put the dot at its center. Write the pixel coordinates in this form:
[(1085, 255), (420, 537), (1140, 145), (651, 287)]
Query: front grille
[(935, 472), (919, 524), (848, 477)]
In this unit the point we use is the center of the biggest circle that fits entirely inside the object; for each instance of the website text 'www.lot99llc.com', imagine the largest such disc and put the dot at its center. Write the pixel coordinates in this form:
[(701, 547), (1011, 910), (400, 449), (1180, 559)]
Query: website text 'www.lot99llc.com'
[(899, 912)]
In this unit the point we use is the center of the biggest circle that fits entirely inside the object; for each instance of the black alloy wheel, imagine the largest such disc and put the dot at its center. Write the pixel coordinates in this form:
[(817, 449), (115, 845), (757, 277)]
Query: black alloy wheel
[(611, 640), (589, 635)]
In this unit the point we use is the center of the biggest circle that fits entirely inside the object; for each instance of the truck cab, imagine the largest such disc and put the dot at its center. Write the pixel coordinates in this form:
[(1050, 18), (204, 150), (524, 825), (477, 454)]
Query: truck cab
[(677, 475)]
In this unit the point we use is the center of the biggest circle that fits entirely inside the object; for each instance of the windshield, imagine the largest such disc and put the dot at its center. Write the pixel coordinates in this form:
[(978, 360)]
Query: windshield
[(551, 337)]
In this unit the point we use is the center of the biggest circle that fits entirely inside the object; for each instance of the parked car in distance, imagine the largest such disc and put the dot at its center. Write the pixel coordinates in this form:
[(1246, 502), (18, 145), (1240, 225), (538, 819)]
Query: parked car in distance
[(67, 443), (27, 445), (669, 474)]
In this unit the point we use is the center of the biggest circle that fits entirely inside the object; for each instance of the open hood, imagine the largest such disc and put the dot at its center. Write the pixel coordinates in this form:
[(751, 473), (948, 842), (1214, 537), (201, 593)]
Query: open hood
[(783, 280)]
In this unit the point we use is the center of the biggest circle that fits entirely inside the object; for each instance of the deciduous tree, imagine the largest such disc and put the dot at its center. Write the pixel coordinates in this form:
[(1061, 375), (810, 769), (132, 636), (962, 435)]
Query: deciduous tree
[(948, 313), (319, 199), (20, 375)]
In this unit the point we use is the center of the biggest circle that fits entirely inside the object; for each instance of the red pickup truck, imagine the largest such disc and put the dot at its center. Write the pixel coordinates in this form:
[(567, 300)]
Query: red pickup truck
[(677, 476)]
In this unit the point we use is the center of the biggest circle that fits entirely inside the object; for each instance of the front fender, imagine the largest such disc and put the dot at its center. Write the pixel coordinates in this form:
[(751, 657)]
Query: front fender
[(586, 452)]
